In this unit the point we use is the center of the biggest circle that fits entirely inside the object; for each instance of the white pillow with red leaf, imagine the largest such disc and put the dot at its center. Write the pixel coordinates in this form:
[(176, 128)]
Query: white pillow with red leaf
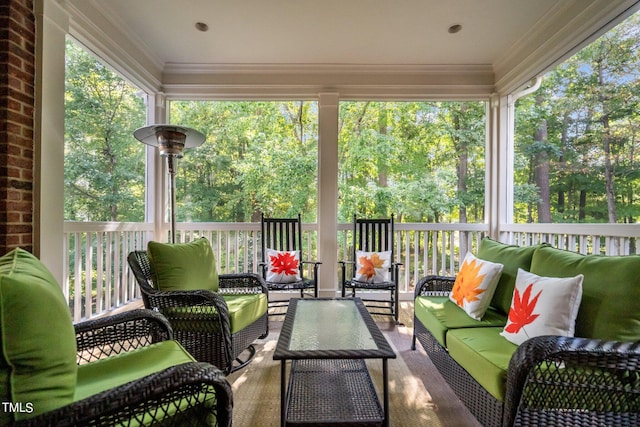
[(373, 267), (543, 306), (283, 266)]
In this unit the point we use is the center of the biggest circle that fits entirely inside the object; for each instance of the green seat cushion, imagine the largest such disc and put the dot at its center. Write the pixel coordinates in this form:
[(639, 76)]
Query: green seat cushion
[(37, 337), (484, 354), (439, 314), (243, 311), (183, 266), (610, 291), (512, 257), (113, 371)]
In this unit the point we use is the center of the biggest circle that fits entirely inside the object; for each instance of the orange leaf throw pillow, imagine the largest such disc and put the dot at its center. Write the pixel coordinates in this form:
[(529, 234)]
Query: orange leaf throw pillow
[(543, 306), (372, 267), (475, 284), (283, 266)]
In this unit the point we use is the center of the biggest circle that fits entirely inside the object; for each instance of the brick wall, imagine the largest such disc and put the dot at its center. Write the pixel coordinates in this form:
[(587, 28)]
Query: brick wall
[(17, 89)]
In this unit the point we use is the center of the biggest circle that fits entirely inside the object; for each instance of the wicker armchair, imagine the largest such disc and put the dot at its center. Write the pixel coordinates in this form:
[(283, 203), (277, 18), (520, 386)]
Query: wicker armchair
[(551, 380), (189, 394), (200, 319)]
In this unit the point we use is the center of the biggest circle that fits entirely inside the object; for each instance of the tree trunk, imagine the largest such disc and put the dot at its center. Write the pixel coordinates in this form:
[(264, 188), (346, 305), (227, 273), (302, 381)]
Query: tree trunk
[(382, 160), (606, 145), (541, 175)]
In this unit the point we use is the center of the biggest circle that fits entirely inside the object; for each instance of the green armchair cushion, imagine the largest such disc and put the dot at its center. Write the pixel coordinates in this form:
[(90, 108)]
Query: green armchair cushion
[(113, 371), (183, 266), (243, 311), (512, 257), (37, 338), (610, 291)]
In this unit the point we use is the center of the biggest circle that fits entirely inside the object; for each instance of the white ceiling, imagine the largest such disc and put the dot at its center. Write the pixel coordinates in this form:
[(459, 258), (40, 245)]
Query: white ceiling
[(509, 39), (328, 31)]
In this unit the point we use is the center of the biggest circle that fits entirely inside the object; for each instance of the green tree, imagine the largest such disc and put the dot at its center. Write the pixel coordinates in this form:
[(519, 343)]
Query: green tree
[(260, 157), (404, 158), (104, 164), (576, 138)]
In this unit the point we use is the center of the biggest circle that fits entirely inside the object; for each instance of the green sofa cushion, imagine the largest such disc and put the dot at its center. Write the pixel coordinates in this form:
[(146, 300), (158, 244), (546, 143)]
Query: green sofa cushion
[(37, 337), (512, 257), (183, 266), (484, 354), (439, 314), (243, 311), (610, 291), (113, 371)]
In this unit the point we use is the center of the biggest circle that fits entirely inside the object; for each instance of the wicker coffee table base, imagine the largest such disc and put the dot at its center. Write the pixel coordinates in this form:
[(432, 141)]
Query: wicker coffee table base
[(338, 392)]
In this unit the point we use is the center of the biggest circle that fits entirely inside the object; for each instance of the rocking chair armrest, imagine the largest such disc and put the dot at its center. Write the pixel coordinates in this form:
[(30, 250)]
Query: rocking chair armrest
[(133, 327), (434, 285), (241, 283), (590, 375), (345, 262), (202, 385)]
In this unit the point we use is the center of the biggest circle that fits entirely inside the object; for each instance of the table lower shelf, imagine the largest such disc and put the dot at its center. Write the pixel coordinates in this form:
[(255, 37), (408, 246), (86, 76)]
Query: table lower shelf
[(337, 392)]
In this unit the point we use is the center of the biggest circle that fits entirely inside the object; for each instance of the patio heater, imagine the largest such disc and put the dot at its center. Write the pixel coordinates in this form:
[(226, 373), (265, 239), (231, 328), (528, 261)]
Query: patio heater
[(171, 140)]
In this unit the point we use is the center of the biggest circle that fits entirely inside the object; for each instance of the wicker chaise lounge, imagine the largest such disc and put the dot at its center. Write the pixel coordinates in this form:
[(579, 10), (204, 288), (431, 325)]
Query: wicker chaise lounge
[(547, 380)]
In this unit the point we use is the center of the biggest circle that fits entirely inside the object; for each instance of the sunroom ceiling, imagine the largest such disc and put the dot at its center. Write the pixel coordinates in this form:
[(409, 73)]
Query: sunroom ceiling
[(495, 36)]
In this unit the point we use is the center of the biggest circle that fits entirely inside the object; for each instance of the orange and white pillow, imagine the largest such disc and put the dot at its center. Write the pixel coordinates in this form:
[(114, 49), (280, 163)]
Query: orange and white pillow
[(373, 267), (283, 266), (543, 306), (475, 284)]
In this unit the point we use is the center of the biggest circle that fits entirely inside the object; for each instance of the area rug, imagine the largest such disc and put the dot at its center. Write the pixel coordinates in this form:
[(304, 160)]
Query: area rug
[(256, 388)]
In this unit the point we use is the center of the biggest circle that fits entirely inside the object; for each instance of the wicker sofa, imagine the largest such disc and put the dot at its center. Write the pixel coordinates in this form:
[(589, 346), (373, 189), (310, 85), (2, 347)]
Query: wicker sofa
[(590, 379), (123, 369)]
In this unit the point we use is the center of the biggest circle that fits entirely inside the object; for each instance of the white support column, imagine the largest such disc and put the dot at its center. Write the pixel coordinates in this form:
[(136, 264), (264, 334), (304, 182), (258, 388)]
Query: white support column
[(499, 173), (328, 193), (500, 149), (52, 25)]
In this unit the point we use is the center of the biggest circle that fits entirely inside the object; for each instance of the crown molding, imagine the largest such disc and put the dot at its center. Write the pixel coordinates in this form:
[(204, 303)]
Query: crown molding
[(307, 80)]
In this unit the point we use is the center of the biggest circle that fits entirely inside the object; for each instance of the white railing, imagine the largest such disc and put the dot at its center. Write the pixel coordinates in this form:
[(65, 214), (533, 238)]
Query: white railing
[(96, 273), (604, 239), (97, 276)]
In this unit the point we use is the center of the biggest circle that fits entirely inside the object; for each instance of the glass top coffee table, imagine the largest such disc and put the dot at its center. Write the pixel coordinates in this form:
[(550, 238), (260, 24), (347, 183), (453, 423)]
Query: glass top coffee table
[(326, 341)]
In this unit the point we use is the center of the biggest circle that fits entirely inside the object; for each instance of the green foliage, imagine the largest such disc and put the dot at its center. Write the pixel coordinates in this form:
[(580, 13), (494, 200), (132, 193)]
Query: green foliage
[(104, 164), (589, 106), (403, 158), (259, 157)]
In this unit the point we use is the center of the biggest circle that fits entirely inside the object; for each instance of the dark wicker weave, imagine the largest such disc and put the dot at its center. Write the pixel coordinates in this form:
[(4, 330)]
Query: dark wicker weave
[(373, 235), (200, 319), (285, 234), (551, 381), (332, 386), (313, 386), (190, 394)]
